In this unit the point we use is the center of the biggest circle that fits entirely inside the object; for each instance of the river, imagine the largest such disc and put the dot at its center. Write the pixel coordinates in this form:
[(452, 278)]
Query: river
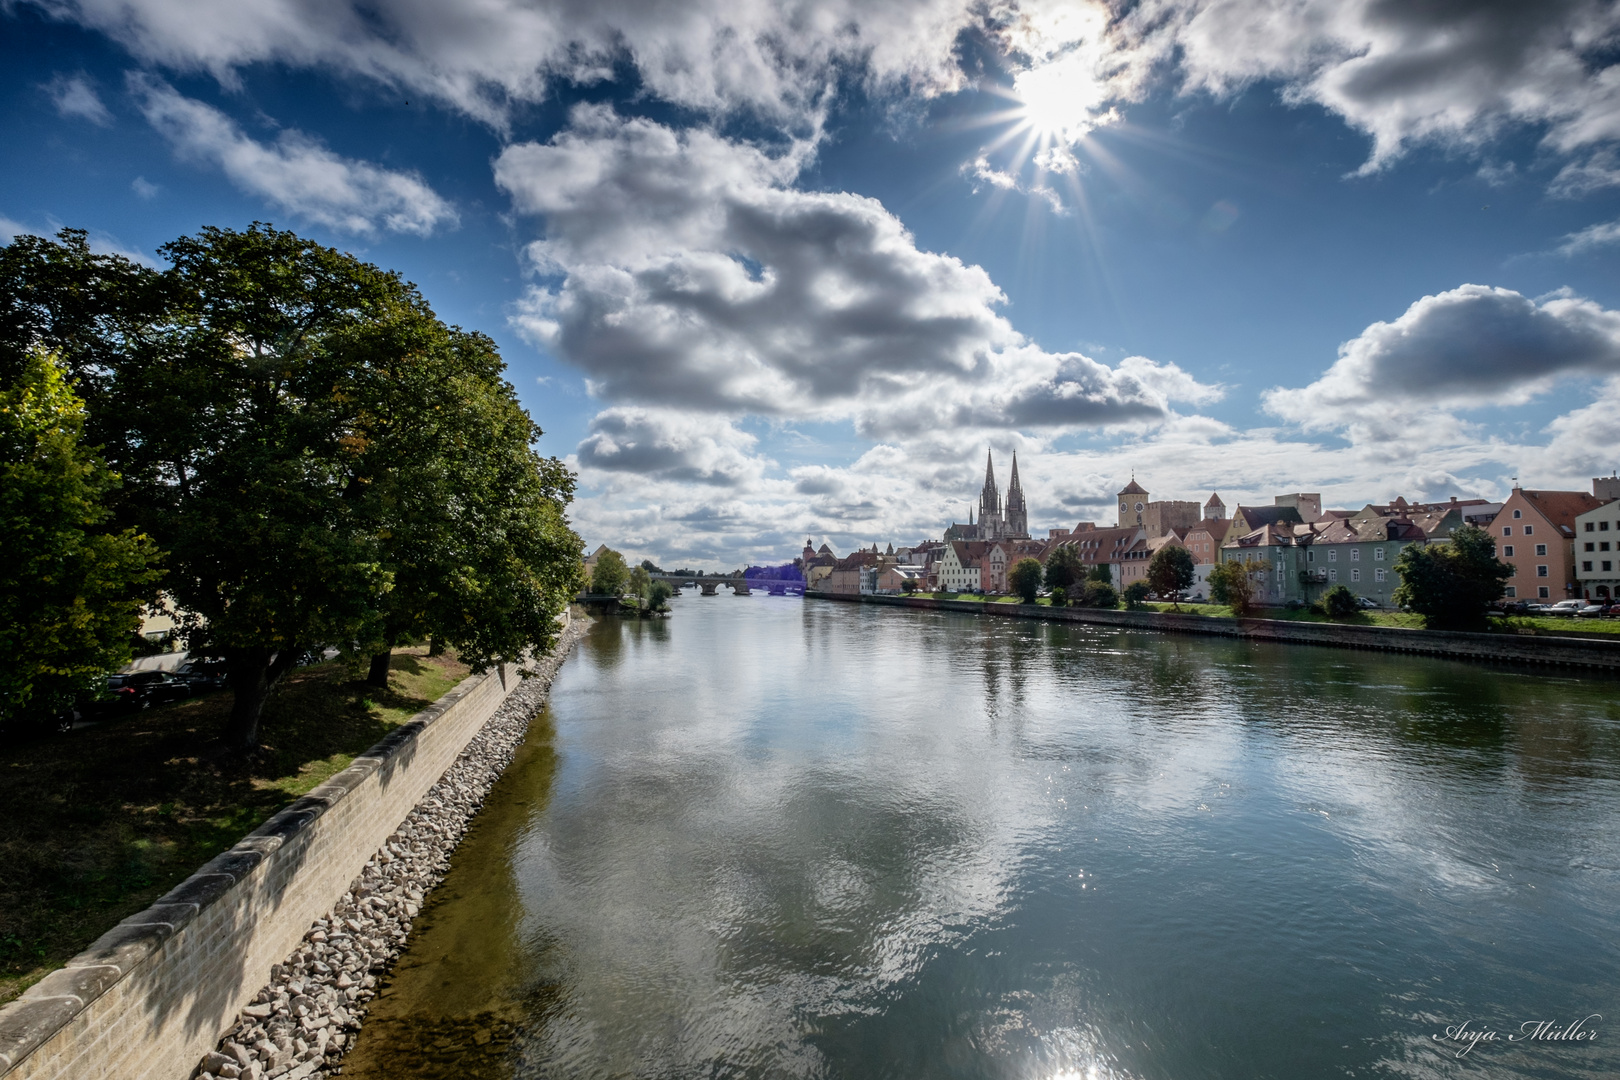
[(772, 837)]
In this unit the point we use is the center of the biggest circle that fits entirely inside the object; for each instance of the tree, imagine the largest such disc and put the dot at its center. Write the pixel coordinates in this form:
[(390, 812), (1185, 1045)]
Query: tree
[(640, 582), (1098, 594), (610, 574), (71, 588), (658, 594), (321, 460), (1339, 603), (1452, 584), (1102, 573), (1170, 571), (1064, 567), (1136, 594), (1230, 583), (908, 586), (1059, 595), (1025, 578)]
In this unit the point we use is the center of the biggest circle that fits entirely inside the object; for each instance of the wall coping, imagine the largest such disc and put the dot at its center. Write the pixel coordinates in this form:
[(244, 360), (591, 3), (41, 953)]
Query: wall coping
[(54, 1002), (1587, 652)]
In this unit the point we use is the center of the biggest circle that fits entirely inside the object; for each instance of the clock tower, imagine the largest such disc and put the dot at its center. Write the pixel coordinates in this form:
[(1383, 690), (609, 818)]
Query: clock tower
[(1132, 501)]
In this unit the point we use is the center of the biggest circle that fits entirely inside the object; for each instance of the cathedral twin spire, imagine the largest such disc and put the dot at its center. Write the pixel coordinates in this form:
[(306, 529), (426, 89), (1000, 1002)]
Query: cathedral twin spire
[(995, 522)]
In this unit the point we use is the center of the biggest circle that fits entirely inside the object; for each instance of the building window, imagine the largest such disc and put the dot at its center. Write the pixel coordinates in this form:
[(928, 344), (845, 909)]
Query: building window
[(1517, 515), (1333, 556), (1378, 574), (1605, 564), (1355, 554), (1355, 573), (1507, 550), (1590, 546), (1588, 526), (1541, 549), (1542, 592), (1529, 529), (1603, 526), (1586, 565), (1512, 592), (1541, 571), (1333, 575), (1310, 556), (1604, 546), (1378, 554), (1507, 530)]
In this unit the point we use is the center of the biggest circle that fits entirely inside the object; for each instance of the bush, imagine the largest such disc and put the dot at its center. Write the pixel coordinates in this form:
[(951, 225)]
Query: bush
[(1059, 596), (1025, 579), (658, 594), (1136, 593), (1339, 603), (1099, 594), (908, 586)]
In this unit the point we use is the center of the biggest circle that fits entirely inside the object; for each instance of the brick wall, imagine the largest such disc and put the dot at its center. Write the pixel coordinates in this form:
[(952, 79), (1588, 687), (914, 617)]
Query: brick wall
[(154, 994)]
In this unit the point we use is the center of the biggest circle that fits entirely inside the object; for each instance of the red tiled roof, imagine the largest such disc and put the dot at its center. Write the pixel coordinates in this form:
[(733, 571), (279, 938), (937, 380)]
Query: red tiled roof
[(1561, 507)]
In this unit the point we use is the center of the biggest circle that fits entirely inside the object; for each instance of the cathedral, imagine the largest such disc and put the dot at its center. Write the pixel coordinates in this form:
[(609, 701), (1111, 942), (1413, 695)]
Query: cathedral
[(996, 522)]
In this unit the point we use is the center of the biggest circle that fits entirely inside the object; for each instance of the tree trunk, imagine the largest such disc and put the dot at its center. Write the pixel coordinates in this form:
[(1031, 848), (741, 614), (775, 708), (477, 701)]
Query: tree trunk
[(378, 675), (252, 674), (435, 646)]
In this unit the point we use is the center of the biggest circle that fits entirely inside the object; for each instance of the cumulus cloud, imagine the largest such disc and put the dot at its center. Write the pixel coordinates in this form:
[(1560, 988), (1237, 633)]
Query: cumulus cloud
[(74, 95), (1407, 72), (686, 272), (670, 445), (296, 172), (1469, 347)]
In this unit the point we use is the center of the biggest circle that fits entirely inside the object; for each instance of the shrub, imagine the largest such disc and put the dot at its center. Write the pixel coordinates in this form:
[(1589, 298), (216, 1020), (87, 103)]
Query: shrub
[(1339, 603), (1099, 594), (1059, 596), (908, 586), (1136, 593)]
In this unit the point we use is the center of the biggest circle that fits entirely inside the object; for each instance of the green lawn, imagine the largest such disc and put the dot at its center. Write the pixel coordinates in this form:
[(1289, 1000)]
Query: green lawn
[(103, 821)]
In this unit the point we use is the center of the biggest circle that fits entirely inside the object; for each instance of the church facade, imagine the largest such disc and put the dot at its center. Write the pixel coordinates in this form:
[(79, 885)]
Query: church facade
[(996, 520)]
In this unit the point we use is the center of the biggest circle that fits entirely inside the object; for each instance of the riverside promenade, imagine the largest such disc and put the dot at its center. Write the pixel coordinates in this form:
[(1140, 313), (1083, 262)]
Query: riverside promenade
[(1500, 648)]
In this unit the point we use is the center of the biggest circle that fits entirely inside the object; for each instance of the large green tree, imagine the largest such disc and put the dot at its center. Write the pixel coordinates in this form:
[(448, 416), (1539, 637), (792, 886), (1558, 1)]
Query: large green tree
[(1170, 572), (1452, 584), (71, 585), (609, 576), (1025, 579), (323, 462), (1064, 567)]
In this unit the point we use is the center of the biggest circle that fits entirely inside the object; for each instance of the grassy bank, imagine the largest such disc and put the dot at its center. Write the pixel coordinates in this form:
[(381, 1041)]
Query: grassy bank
[(102, 822), (1604, 628)]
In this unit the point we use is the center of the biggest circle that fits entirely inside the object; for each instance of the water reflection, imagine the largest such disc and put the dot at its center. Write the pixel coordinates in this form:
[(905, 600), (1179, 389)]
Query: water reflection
[(789, 838)]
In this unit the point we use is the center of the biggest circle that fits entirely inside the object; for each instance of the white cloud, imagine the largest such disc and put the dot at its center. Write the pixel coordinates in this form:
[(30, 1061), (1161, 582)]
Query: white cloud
[(1600, 170), (144, 188), (1404, 73), (295, 173), (669, 445), (1404, 383), (982, 171), (687, 273), (1605, 232), (73, 95)]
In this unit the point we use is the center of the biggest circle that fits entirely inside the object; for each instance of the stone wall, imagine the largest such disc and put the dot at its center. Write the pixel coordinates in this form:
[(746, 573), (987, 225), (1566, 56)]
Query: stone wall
[(154, 994), (1586, 652)]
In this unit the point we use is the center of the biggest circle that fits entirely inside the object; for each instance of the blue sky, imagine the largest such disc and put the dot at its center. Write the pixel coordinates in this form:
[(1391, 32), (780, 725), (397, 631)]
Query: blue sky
[(771, 270)]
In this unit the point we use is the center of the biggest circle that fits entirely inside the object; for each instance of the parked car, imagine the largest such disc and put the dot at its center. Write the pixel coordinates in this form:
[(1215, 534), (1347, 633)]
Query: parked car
[(1365, 602), (203, 676), (133, 690), (1589, 611), (1565, 607)]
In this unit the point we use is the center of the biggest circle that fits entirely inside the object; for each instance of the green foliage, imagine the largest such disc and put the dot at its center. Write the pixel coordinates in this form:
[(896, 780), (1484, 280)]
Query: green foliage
[(1025, 579), (908, 586), (1136, 594), (1171, 571), (1230, 583), (1064, 567), (321, 460), (640, 582), (71, 588), (1453, 584), (1059, 595), (1339, 603), (610, 574), (1102, 573), (1097, 594), (658, 594)]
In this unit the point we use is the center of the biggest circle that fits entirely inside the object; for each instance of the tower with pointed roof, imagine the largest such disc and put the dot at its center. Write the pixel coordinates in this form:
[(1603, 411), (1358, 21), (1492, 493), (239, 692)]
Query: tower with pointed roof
[(990, 521), (1017, 514), (1215, 509), (1133, 498)]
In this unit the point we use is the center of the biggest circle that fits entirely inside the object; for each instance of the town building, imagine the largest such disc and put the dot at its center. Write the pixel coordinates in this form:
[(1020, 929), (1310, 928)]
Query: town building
[(1535, 535), (1276, 554), (1360, 554), (1112, 548), (1307, 504), (1246, 519), (1597, 544)]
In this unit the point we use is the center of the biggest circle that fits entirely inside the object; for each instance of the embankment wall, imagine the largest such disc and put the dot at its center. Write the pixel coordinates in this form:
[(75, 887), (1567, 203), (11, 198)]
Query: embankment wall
[(1584, 652), (153, 995)]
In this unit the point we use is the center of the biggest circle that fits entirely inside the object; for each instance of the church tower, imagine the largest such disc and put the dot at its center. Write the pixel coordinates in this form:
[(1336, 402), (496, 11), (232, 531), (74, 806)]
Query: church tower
[(1132, 501), (1017, 513), (990, 524)]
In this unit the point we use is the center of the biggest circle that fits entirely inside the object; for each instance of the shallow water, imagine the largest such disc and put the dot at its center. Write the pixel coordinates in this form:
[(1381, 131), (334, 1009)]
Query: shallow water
[(778, 838)]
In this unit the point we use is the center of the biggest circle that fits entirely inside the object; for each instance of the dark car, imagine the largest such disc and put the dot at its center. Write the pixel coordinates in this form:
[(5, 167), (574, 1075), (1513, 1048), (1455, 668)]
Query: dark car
[(143, 689), (202, 676)]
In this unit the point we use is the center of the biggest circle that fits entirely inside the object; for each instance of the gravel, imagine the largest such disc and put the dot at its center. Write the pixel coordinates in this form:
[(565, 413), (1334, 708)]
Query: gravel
[(303, 1020)]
